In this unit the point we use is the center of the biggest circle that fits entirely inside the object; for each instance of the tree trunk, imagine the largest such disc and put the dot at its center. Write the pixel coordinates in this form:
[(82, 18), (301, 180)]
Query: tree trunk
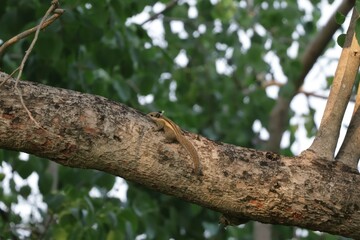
[(86, 131)]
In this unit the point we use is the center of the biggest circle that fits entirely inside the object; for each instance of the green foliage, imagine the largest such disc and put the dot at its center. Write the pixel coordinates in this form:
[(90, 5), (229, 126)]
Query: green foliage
[(341, 40), (357, 6), (340, 18), (94, 48)]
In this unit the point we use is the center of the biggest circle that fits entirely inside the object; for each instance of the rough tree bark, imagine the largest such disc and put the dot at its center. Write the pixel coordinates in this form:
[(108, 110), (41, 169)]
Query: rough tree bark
[(85, 131), (280, 113)]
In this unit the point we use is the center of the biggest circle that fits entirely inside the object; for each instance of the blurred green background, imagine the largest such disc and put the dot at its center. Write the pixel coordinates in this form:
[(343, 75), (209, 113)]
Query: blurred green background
[(204, 62)]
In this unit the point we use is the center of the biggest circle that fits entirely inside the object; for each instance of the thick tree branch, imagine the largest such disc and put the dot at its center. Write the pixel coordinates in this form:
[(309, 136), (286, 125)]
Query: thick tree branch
[(43, 23), (349, 152), (327, 136), (279, 115), (86, 131)]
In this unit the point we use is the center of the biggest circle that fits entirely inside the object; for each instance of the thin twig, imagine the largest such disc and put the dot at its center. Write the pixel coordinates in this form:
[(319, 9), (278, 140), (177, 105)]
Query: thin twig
[(53, 6), (313, 94), (300, 90), (15, 39), (156, 15), (9, 76)]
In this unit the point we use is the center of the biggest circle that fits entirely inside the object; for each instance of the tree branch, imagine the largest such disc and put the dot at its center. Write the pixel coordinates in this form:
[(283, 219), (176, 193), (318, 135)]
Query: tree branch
[(327, 136), (168, 6), (86, 131), (13, 40), (349, 152), (52, 8), (271, 83), (279, 115)]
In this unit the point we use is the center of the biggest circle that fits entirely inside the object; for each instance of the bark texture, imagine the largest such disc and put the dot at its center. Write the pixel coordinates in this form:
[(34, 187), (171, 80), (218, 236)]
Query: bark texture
[(327, 136), (86, 131), (349, 152)]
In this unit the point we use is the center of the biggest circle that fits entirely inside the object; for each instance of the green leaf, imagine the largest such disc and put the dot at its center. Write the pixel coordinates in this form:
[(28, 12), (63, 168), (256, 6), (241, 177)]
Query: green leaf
[(60, 233), (339, 18), (68, 219), (341, 40), (111, 217), (122, 89), (22, 168), (103, 180), (55, 202), (45, 183), (329, 80), (115, 235), (25, 191), (89, 205), (129, 217), (9, 199)]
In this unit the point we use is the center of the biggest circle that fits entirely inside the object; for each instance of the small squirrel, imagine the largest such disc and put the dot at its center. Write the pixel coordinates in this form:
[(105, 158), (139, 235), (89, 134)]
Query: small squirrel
[(172, 133)]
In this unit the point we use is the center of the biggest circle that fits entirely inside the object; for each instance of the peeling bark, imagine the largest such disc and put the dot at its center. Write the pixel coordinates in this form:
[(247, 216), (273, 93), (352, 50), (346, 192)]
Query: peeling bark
[(87, 131)]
